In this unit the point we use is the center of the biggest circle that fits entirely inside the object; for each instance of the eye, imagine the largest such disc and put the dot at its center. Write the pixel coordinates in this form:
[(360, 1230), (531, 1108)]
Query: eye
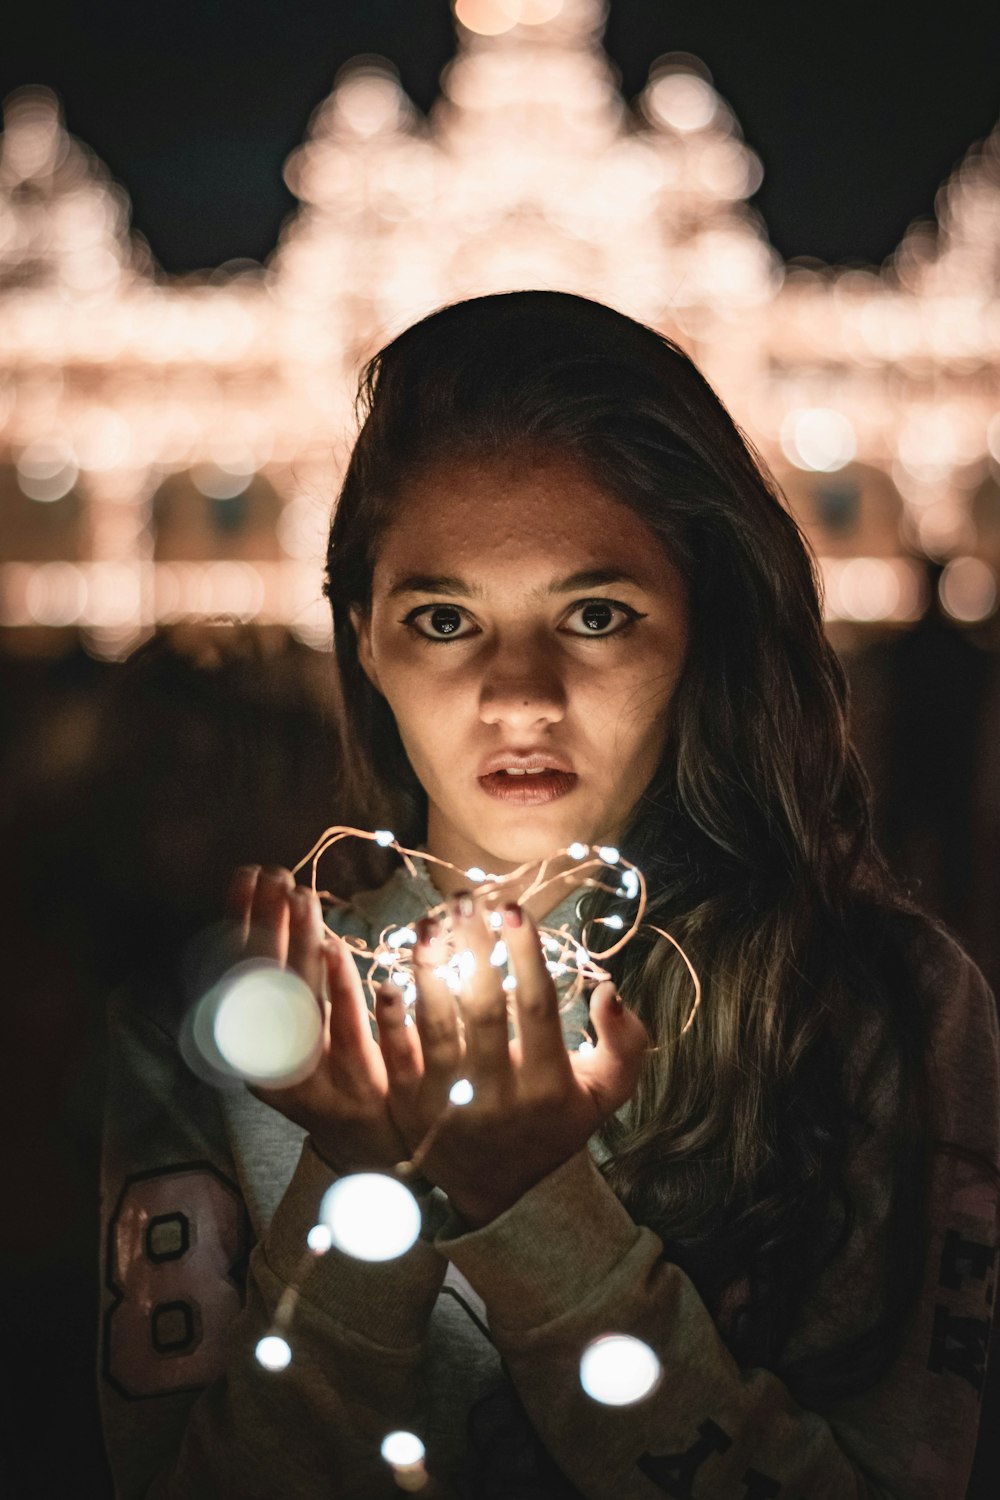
[(438, 622), (601, 617)]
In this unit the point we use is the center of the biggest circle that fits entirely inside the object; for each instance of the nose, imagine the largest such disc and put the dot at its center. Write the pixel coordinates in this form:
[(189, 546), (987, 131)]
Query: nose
[(522, 688)]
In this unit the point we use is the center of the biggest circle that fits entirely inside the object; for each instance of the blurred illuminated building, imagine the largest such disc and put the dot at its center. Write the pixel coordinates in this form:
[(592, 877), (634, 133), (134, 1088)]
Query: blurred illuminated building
[(171, 447)]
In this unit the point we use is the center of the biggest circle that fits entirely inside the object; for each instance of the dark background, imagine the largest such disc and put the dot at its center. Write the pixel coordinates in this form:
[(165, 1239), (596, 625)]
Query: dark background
[(858, 112)]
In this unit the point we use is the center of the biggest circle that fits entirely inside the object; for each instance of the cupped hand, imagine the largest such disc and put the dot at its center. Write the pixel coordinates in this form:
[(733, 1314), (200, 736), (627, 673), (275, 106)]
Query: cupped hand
[(343, 1104), (535, 1104)]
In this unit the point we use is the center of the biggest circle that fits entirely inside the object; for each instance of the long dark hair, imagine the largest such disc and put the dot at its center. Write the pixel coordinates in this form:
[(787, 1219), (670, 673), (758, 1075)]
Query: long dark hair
[(755, 834)]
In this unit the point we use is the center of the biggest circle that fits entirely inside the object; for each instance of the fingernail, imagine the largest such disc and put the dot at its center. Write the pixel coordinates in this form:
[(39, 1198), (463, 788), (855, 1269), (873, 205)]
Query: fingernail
[(426, 928), (513, 915), (464, 904)]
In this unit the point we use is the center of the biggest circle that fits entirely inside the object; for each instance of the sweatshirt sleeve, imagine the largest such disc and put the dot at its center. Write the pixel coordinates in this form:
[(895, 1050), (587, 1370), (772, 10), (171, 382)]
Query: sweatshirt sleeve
[(567, 1264), (188, 1411)]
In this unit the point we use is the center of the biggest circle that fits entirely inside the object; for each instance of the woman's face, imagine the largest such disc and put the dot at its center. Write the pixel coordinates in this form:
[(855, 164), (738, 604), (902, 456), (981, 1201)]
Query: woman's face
[(522, 617)]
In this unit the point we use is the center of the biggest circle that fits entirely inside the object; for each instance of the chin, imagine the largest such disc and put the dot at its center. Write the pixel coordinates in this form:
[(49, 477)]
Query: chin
[(531, 839)]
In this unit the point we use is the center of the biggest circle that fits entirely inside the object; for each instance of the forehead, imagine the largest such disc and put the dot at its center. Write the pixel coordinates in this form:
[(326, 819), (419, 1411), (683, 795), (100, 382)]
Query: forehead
[(484, 517)]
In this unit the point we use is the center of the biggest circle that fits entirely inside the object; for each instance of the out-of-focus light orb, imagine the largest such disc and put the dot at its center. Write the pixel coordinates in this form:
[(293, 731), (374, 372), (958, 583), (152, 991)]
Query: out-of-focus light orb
[(369, 99), (968, 590), (485, 17), (461, 1092), (465, 964), (495, 919), (384, 837), (586, 1048), (618, 1370), (268, 1026), (609, 854), (475, 873), (867, 589), (401, 1449), (273, 1352), (509, 983), (402, 937), (683, 101), (371, 1216), (56, 594), (630, 884), (499, 955), (614, 921), (319, 1239), (47, 470), (818, 438), (578, 850), (219, 483)]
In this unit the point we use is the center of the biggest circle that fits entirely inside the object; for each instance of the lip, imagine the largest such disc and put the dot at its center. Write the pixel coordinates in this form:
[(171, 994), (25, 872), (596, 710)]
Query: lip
[(525, 760), (529, 791)]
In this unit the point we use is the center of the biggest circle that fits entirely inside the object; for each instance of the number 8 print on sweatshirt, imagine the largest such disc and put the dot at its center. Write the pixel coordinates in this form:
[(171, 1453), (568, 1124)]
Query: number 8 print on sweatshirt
[(175, 1258)]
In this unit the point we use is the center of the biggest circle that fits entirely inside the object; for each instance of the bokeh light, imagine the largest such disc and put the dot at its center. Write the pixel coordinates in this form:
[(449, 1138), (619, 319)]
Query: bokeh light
[(619, 1370), (260, 1023), (968, 590), (371, 1216), (273, 1352), (402, 1448)]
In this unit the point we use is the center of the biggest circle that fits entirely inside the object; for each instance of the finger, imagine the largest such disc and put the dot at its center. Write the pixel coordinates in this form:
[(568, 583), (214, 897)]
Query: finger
[(612, 1070), (268, 935), (536, 1003), (482, 1000), (239, 898), (400, 1043), (350, 1027), (436, 1012), (306, 936)]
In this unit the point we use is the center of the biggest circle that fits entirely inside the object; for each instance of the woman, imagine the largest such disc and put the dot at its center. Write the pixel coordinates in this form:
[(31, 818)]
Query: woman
[(569, 607)]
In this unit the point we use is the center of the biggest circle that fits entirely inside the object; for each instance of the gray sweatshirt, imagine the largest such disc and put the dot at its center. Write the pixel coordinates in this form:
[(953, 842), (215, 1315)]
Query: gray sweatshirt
[(472, 1339)]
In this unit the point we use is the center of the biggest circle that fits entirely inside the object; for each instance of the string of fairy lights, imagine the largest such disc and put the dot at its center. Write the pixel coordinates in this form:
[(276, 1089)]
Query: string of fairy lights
[(261, 1025)]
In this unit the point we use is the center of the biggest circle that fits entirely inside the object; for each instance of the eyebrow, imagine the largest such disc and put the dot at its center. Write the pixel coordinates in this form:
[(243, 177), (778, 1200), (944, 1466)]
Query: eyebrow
[(448, 583)]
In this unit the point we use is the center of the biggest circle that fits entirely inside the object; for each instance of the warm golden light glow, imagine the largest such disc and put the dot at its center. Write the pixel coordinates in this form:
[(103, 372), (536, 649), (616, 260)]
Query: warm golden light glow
[(173, 447)]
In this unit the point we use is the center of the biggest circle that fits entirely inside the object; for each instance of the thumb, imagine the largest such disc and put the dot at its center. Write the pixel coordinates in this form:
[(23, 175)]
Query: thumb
[(622, 1043)]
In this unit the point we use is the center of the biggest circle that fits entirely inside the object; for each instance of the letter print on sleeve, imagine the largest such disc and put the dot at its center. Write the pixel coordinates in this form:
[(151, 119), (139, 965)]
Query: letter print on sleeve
[(175, 1253)]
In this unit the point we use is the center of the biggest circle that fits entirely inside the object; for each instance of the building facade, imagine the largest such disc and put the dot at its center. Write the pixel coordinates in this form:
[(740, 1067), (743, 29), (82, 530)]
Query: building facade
[(171, 447)]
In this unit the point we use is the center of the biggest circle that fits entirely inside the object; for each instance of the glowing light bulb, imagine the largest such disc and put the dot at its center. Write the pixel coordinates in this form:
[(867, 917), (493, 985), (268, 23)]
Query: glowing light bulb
[(319, 1239), (495, 920), (461, 1092), (384, 837), (410, 995), (499, 955), (273, 1352), (586, 1048), (553, 967), (370, 1216), (401, 1449), (402, 936), (630, 884), (614, 921), (618, 1370), (262, 1023), (609, 854), (582, 956), (475, 873), (578, 851), (509, 983), (466, 964), (400, 979)]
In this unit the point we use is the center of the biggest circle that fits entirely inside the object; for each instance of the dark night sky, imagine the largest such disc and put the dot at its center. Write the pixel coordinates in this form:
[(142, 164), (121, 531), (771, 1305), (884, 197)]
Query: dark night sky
[(858, 110)]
